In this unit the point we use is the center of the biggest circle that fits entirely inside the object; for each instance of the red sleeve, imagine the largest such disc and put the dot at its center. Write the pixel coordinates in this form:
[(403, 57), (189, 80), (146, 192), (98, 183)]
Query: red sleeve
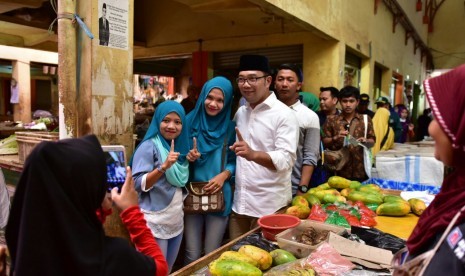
[(103, 214), (143, 239)]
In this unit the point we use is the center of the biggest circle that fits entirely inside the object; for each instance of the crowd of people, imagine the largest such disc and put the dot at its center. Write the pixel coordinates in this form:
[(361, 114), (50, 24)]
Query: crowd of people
[(259, 157)]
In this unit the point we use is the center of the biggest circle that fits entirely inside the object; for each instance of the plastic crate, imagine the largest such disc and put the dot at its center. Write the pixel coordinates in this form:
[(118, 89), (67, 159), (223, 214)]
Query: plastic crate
[(287, 240), (28, 140)]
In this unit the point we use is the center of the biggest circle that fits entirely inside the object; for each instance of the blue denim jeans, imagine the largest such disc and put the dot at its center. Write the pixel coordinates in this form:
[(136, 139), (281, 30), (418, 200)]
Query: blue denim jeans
[(194, 226), (170, 249)]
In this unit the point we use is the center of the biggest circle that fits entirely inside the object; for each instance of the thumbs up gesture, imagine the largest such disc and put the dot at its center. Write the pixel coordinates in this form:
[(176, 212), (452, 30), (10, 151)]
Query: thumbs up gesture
[(241, 148), (193, 154)]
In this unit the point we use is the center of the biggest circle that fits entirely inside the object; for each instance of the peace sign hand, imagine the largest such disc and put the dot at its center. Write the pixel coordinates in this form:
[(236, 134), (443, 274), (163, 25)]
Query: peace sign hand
[(193, 154), (241, 148), (171, 158)]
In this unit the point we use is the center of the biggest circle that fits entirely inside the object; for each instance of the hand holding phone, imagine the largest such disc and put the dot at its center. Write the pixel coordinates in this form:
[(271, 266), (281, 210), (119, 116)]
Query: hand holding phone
[(128, 196), (115, 159)]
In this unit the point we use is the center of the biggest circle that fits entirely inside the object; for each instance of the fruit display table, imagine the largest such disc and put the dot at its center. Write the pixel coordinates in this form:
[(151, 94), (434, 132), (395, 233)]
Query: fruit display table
[(401, 227), (203, 262), (11, 162)]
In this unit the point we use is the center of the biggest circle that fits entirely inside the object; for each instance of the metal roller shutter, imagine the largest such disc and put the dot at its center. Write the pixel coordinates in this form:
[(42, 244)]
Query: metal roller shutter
[(276, 56)]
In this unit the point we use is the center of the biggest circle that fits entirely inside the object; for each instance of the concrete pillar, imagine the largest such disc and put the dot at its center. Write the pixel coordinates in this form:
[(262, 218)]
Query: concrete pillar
[(22, 74), (323, 63)]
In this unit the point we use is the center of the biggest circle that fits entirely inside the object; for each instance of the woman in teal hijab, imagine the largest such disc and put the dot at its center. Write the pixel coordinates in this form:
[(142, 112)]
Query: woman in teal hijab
[(211, 127), (161, 171)]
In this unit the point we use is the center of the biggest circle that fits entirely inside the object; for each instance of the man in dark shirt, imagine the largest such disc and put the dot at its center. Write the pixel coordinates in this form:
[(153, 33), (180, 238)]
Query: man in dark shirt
[(363, 106), (328, 103), (337, 127)]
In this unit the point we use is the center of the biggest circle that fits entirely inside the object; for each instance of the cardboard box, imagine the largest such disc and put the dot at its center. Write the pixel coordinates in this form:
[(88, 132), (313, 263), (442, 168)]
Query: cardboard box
[(368, 256), (379, 258), (287, 239)]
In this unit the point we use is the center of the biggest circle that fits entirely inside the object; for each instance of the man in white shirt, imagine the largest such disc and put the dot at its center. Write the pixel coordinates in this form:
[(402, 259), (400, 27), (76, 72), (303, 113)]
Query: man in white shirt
[(267, 133), (287, 84)]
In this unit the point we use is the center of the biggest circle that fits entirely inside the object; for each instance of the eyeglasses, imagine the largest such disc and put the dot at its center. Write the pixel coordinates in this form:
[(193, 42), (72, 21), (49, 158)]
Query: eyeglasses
[(249, 80)]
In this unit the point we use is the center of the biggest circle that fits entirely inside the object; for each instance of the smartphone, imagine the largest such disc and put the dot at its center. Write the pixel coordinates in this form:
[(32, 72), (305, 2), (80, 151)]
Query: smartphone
[(115, 158)]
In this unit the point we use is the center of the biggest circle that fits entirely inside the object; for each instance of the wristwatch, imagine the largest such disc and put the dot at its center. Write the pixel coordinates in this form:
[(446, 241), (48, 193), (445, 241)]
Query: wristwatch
[(303, 188)]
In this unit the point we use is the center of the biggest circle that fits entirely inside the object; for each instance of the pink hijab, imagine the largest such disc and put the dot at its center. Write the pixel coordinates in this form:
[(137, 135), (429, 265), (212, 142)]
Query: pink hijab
[(446, 95)]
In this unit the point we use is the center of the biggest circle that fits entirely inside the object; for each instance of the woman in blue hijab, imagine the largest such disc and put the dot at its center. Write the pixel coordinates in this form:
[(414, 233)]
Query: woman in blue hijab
[(211, 127), (160, 171)]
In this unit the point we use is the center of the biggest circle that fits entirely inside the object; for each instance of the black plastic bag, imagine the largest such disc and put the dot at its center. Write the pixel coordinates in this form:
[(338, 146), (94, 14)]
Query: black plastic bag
[(257, 240), (377, 238)]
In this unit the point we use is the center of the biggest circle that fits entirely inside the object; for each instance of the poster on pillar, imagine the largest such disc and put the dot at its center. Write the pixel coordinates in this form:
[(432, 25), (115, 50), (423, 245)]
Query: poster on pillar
[(113, 23)]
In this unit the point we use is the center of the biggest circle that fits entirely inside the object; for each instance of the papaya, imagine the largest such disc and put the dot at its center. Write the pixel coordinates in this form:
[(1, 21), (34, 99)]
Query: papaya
[(236, 256), (324, 186), (370, 188), (345, 192), (329, 198), (262, 257), (311, 199), (281, 256), (232, 268), (314, 190), (320, 194), (341, 199), (299, 201), (301, 212), (393, 198), (355, 185), (417, 206), (393, 209), (366, 198), (338, 182)]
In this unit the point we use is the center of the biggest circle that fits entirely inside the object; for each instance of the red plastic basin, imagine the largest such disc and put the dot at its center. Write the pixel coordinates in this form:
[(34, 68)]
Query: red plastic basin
[(272, 225)]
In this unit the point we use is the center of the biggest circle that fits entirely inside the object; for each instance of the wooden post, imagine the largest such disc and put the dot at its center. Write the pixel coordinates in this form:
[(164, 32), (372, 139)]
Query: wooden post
[(22, 74), (67, 69)]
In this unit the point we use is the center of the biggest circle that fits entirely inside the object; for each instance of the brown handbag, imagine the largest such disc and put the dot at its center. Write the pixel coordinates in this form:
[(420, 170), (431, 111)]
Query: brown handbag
[(198, 201), (335, 160)]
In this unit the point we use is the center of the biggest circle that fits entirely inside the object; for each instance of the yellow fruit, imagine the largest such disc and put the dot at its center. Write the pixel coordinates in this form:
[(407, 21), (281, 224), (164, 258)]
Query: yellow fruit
[(341, 199), (232, 268), (236, 256), (365, 197), (299, 201), (320, 194), (262, 257), (301, 212), (417, 205), (338, 182), (355, 185), (311, 199), (370, 188), (324, 186), (281, 256), (393, 198), (393, 209), (345, 192)]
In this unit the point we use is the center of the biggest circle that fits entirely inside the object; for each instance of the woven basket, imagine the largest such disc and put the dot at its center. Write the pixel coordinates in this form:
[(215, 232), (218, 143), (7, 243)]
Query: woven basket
[(27, 140)]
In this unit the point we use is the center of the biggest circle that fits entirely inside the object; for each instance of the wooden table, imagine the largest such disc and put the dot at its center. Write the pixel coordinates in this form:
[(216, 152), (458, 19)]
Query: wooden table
[(11, 162), (205, 260), (401, 227)]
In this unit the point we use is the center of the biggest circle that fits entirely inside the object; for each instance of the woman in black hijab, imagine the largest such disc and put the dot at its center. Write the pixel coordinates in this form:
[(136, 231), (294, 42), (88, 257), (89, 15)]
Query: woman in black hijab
[(53, 227)]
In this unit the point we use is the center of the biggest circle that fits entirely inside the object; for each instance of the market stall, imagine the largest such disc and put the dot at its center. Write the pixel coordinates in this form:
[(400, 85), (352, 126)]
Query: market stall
[(340, 210), (410, 163), (398, 226)]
